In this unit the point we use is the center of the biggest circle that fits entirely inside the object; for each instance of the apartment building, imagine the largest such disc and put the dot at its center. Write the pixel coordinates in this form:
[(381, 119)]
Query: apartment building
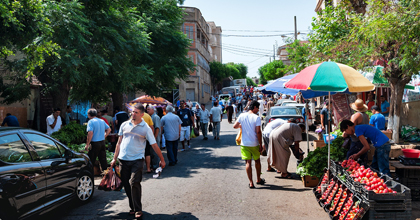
[(205, 47)]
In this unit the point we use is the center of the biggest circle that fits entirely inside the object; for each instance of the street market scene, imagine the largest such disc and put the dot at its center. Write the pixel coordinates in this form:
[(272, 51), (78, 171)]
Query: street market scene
[(186, 109)]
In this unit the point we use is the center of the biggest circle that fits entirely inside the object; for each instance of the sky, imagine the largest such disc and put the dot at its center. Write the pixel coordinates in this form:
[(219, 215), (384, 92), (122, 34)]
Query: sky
[(246, 18)]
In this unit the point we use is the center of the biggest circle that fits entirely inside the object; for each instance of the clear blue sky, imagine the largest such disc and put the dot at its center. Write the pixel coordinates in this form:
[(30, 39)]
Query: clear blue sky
[(264, 15)]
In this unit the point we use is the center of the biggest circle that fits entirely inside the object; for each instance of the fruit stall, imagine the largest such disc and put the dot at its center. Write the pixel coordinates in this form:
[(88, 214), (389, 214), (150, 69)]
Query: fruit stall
[(349, 190)]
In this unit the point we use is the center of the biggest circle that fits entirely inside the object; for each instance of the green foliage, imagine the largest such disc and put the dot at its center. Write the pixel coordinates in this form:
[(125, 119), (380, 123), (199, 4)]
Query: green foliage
[(72, 133), (298, 56), (317, 160), (273, 70), (219, 71), (250, 82), (243, 70)]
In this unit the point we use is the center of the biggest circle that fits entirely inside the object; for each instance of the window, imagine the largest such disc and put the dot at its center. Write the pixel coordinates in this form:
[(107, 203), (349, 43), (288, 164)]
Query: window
[(12, 149), (45, 147)]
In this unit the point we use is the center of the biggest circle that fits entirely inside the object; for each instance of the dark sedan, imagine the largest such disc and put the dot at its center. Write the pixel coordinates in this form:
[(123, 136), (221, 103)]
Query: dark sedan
[(38, 173), (283, 112)]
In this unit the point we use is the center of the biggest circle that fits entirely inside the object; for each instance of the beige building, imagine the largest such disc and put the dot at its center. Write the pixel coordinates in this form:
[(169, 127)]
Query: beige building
[(205, 47), (283, 54)]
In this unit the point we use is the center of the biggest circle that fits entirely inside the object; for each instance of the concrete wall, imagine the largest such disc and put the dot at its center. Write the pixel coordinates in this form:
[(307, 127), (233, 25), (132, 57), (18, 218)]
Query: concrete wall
[(411, 114)]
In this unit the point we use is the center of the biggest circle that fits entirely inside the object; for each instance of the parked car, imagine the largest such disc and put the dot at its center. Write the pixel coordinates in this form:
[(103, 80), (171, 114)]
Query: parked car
[(300, 107), (282, 112), (280, 101), (38, 173)]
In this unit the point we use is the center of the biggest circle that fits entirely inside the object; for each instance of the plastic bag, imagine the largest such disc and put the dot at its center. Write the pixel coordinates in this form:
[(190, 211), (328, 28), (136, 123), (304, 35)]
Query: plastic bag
[(192, 135), (210, 127), (116, 184), (106, 181), (239, 137), (196, 132)]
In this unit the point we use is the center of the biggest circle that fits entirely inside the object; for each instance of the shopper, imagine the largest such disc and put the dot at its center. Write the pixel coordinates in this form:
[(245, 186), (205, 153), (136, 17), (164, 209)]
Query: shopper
[(10, 120), (377, 120), (151, 110), (187, 119), (266, 136), (97, 130), (54, 122), (379, 140), (384, 106), (171, 129), (130, 154), (216, 116), (251, 145), (204, 116)]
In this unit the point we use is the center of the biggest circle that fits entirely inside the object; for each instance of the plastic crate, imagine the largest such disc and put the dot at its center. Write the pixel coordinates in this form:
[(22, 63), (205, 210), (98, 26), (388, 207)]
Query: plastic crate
[(388, 206), (403, 193), (415, 193), (410, 182), (388, 215)]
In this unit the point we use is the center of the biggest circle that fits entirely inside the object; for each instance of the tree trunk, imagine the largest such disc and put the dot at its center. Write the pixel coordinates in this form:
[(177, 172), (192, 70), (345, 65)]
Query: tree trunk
[(397, 92), (60, 97), (117, 100)]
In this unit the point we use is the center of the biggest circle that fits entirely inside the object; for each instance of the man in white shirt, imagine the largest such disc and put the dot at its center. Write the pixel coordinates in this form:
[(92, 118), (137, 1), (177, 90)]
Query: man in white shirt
[(216, 118), (54, 122), (189, 104), (251, 145), (204, 116)]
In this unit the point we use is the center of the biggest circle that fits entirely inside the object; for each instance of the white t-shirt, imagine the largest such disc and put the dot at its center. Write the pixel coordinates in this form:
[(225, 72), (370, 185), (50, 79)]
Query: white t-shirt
[(50, 121), (272, 125), (248, 123), (216, 114)]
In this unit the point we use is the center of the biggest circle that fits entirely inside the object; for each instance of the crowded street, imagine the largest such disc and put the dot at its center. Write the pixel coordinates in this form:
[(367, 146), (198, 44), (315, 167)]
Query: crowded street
[(208, 182)]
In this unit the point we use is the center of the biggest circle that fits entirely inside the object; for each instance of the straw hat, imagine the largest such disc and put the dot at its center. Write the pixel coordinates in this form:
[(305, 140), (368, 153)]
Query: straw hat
[(359, 106)]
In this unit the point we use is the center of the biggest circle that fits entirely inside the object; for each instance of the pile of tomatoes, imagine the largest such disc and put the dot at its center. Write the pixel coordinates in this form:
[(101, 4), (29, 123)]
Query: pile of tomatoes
[(354, 211), (329, 188), (346, 207), (367, 177), (324, 181), (332, 193), (339, 197)]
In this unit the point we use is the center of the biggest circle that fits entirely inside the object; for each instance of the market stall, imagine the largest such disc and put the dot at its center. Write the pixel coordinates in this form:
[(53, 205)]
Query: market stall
[(147, 100)]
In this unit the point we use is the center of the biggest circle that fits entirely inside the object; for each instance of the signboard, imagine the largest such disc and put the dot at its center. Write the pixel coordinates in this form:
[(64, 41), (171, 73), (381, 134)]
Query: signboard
[(341, 106)]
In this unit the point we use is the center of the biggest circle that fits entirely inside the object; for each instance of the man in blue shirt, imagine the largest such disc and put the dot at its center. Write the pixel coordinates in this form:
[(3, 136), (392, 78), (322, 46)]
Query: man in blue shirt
[(10, 120), (379, 140), (171, 130), (384, 106), (377, 120), (97, 130)]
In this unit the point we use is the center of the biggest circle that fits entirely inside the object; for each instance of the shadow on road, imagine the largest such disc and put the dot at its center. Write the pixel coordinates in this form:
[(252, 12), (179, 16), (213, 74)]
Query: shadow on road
[(283, 188)]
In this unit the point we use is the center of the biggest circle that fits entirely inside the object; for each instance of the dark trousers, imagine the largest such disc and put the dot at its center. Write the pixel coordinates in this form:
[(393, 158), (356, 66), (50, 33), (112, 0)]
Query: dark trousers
[(229, 110), (172, 151), (204, 128), (131, 175), (240, 107), (98, 150)]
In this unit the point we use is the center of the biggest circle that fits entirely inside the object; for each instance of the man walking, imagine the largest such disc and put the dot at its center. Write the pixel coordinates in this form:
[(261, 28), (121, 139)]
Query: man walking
[(216, 118), (251, 145), (54, 122), (130, 154), (171, 129), (157, 128), (204, 115), (97, 130), (229, 109), (187, 119)]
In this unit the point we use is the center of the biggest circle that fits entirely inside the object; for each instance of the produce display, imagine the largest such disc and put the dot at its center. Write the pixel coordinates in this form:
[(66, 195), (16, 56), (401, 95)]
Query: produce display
[(354, 211), (346, 207), (341, 203), (329, 188), (317, 160), (337, 197), (332, 193), (367, 177), (323, 181)]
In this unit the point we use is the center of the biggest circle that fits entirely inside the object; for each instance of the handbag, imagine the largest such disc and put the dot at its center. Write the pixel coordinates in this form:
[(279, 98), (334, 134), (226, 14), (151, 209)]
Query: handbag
[(210, 127), (196, 132), (239, 137)]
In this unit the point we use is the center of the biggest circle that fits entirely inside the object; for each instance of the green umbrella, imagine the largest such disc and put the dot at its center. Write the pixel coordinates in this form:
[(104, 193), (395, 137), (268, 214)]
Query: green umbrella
[(376, 76)]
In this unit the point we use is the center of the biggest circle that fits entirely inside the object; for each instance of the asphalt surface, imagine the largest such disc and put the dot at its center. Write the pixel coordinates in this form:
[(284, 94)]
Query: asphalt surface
[(209, 182)]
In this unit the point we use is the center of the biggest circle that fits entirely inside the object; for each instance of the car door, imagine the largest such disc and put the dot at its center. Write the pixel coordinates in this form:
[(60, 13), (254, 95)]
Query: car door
[(22, 180), (61, 172)]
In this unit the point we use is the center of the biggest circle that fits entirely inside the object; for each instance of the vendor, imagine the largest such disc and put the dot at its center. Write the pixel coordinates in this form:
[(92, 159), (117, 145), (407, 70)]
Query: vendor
[(358, 118), (380, 142)]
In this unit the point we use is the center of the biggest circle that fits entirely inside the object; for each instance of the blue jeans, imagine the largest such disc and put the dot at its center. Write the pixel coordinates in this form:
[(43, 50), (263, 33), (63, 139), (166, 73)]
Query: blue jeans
[(216, 129), (172, 151), (381, 159)]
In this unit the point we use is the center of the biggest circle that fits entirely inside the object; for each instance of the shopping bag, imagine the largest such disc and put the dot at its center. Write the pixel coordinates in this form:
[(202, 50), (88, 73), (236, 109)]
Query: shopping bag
[(192, 135), (196, 132), (116, 184), (239, 137), (210, 127), (106, 181)]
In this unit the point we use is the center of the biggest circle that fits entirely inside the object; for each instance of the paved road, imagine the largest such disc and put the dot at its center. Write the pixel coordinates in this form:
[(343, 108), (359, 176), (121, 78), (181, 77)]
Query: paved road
[(209, 182)]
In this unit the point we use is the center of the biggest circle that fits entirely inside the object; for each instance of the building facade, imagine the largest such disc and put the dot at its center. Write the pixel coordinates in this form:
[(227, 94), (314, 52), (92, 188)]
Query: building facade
[(197, 86)]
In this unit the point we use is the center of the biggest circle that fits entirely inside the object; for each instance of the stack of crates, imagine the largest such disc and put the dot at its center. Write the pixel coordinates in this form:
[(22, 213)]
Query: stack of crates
[(411, 179)]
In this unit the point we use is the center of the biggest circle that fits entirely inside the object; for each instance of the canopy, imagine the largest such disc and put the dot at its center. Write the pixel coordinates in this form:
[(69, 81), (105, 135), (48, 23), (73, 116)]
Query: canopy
[(145, 99), (376, 77), (330, 77), (278, 86)]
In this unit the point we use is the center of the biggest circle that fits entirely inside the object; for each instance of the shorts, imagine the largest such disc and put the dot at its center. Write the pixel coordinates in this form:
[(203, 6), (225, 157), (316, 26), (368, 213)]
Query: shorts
[(185, 133), (249, 153)]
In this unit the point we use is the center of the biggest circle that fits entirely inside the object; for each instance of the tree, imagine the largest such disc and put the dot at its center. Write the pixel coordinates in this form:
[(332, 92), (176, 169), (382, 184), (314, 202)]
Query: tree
[(273, 70), (298, 56), (388, 31), (243, 70), (250, 82), (217, 73)]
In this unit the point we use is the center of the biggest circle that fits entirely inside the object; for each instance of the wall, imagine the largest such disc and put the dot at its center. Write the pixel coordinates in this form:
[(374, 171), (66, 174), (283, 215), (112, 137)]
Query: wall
[(410, 114)]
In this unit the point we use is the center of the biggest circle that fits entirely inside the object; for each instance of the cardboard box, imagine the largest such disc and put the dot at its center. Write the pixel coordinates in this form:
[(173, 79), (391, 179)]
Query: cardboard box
[(388, 134), (320, 137), (310, 181), (319, 143)]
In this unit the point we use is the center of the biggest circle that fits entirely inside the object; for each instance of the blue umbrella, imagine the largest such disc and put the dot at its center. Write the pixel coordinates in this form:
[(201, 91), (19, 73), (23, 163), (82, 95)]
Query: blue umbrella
[(278, 86)]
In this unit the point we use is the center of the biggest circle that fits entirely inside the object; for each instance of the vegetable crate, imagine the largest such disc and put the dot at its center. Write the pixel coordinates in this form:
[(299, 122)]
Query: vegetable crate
[(388, 215), (310, 181)]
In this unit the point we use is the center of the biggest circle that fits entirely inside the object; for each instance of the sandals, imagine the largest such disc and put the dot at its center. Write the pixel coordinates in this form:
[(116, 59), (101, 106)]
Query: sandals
[(251, 187), (271, 170), (288, 176), (262, 182), (139, 215), (132, 212)]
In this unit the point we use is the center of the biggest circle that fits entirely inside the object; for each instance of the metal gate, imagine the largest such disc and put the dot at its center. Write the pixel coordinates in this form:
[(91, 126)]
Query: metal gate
[(175, 95)]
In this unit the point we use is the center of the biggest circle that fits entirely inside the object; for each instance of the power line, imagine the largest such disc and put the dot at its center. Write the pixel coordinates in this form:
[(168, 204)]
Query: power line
[(247, 52), (258, 30), (240, 46)]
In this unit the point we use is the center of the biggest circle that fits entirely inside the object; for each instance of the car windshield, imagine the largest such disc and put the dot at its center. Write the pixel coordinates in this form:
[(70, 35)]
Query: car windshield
[(289, 103), (285, 111)]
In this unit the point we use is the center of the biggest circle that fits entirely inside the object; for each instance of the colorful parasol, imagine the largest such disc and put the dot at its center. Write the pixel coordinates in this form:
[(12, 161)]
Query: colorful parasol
[(376, 76), (330, 77)]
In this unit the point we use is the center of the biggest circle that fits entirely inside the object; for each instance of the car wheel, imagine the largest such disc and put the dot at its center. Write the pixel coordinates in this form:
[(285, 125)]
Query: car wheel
[(85, 187)]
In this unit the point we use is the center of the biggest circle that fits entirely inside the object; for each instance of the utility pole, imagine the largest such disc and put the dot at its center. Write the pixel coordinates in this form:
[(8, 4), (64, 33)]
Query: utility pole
[(295, 29), (274, 52)]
